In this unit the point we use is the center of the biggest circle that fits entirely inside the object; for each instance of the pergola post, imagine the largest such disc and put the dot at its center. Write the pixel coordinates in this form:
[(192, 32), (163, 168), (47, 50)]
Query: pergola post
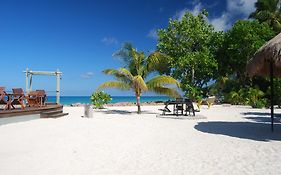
[(30, 83), (26, 81), (58, 86)]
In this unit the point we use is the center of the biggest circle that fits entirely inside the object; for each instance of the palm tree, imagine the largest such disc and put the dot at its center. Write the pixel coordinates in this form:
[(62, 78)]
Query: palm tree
[(268, 11), (136, 70)]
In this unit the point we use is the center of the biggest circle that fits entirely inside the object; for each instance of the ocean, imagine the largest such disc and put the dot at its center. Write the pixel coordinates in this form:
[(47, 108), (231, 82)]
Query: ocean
[(68, 100)]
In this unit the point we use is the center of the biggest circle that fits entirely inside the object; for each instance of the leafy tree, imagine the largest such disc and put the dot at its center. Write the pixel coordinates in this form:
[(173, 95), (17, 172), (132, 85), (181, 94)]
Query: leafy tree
[(239, 45), (100, 98), (268, 11), (191, 44), (137, 69)]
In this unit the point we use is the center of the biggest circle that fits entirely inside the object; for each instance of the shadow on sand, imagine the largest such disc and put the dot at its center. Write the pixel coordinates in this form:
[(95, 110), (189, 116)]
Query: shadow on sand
[(244, 130), (123, 112), (18, 119), (262, 117)]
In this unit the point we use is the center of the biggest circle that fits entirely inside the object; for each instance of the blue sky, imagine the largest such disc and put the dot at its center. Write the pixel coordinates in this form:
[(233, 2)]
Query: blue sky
[(78, 37)]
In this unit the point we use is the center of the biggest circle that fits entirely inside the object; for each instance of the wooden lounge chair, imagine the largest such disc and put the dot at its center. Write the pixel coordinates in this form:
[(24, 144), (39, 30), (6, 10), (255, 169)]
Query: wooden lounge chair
[(18, 98), (3, 94), (32, 99), (42, 97)]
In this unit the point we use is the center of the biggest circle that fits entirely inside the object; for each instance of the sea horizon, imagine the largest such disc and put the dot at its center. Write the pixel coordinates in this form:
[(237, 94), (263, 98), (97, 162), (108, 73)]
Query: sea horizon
[(68, 100)]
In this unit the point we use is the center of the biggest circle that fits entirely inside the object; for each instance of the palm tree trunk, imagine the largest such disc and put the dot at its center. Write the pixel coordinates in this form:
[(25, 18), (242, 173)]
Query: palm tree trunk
[(138, 104)]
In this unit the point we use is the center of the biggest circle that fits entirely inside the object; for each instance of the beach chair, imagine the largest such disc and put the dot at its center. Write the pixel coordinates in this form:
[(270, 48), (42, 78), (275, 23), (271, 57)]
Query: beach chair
[(32, 99), (3, 95), (42, 97), (18, 98), (210, 101)]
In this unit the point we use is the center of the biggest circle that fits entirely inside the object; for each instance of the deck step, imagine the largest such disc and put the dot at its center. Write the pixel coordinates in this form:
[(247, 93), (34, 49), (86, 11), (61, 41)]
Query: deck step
[(55, 115), (52, 111)]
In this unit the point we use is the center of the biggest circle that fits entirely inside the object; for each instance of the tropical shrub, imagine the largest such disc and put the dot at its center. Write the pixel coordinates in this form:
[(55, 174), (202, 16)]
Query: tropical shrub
[(100, 98), (247, 96), (254, 98)]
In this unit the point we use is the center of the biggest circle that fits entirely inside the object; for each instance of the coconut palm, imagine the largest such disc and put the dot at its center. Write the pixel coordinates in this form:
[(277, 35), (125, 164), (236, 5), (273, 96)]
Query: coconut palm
[(136, 70), (268, 11)]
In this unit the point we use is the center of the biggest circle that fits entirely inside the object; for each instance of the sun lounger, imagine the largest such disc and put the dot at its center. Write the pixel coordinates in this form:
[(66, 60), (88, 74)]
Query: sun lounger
[(18, 97), (32, 99), (42, 97), (3, 94)]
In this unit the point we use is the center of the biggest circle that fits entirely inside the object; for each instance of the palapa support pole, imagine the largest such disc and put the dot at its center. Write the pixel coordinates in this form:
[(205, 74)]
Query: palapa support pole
[(271, 95)]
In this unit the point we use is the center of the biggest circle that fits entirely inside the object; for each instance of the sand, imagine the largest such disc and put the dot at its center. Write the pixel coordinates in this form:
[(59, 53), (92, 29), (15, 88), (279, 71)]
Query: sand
[(230, 140)]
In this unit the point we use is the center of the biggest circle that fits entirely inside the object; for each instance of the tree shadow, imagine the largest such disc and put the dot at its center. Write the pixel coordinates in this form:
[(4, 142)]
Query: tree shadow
[(262, 117), (180, 117), (244, 130), (124, 112), (115, 111)]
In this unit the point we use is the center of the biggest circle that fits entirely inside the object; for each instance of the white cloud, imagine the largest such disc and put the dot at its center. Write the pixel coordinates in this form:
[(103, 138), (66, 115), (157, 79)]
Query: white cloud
[(152, 34), (87, 75), (195, 11), (109, 40), (234, 8), (221, 23), (241, 7)]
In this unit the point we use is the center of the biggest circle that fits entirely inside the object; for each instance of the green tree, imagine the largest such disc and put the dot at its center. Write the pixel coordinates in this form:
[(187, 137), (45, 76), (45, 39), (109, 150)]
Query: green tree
[(268, 11), (137, 68), (191, 44), (239, 45)]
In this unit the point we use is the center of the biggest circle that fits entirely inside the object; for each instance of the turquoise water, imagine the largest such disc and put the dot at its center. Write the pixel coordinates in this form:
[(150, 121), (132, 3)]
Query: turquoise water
[(67, 100)]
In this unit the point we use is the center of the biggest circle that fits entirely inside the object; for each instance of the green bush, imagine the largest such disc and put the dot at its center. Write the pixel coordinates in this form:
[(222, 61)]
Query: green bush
[(247, 96), (260, 104), (193, 93), (100, 98), (254, 98)]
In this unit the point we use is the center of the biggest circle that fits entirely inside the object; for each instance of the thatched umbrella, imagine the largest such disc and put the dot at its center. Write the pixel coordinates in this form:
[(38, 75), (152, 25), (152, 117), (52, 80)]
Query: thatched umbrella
[(267, 62)]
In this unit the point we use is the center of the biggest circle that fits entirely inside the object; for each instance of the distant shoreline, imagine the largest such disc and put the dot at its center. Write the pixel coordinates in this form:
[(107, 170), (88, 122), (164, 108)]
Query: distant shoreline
[(130, 100), (124, 104)]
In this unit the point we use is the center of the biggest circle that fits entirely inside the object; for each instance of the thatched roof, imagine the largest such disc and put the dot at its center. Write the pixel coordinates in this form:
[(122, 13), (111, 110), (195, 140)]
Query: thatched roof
[(259, 63)]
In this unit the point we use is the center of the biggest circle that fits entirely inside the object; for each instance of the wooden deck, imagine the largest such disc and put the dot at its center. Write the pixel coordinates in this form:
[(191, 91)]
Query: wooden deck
[(48, 111)]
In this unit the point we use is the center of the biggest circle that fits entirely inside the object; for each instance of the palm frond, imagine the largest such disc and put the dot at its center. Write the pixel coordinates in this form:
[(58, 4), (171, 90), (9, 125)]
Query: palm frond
[(166, 91), (120, 74), (125, 52), (110, 71), (161, 81), (114, 84), (158, 62), (139, 83), (126, 73)]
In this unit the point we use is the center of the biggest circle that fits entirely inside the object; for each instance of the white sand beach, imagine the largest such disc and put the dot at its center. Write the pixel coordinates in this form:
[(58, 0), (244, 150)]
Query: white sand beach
[(231, 140)]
